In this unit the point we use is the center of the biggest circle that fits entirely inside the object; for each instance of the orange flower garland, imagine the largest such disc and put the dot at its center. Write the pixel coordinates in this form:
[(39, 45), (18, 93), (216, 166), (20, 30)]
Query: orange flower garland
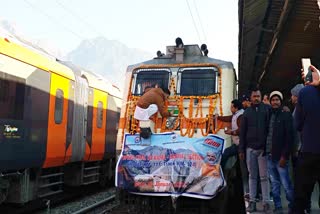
[(192, 122)]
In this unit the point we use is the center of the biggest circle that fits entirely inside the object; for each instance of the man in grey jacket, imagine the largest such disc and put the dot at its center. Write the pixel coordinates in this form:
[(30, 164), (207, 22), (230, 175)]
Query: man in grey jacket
[(253, 136)]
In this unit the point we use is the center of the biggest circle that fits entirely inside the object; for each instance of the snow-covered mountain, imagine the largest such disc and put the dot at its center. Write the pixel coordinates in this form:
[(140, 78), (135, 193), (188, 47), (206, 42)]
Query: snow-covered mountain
[(8, 27), (108, 58), (12, 32)]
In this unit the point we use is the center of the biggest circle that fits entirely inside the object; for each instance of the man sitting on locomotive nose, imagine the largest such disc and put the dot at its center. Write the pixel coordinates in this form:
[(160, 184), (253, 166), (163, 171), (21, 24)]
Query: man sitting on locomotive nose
[(152, 101)]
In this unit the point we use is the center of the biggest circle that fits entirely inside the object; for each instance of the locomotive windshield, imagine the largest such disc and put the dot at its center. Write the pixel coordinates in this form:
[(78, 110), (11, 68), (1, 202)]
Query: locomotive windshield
[(150, 78), (198, 81)]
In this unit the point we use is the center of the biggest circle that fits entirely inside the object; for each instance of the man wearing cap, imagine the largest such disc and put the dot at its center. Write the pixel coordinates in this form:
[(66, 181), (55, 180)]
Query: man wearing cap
[(278, 149), (297, 135), (294, 99), (245, 99), (295, 93)]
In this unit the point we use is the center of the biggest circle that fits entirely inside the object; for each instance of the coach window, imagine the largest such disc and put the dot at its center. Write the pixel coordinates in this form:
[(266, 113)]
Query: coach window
[(4, 92), (58, 112), (12, 96), (99, 114)]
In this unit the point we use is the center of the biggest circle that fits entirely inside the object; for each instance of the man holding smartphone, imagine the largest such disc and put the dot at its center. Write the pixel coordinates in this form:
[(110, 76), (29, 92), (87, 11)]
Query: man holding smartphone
[(315, 77), (307, 119)]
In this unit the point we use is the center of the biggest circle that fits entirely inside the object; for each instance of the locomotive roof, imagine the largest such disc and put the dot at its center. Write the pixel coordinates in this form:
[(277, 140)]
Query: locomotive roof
[(192, 56)]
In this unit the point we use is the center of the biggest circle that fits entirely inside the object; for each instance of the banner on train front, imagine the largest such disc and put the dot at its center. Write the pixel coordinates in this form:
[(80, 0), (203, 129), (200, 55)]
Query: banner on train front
[(169, 164)]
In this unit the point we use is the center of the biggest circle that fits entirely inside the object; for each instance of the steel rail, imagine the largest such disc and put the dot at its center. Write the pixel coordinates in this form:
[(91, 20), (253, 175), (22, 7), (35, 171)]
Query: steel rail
[(95, 205)]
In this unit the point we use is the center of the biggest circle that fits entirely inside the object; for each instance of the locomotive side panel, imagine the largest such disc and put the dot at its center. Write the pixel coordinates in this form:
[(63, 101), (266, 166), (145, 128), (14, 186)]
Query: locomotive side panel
[(228, 85)]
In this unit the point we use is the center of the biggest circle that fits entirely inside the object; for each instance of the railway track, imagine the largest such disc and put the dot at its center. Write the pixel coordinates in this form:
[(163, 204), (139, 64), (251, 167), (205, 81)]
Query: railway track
[(71, 201), (101, 207), (98, 202)]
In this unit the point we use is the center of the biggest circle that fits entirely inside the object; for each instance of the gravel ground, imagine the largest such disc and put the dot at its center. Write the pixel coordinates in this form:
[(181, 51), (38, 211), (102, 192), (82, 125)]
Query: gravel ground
[(80, 203)]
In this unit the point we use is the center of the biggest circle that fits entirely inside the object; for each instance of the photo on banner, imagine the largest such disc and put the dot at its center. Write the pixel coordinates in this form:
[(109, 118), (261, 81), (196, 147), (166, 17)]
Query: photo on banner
[(168, 164)]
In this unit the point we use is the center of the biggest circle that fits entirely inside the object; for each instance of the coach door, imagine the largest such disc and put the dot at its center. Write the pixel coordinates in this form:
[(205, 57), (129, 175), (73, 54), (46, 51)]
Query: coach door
[(80, 118), (57, 150)]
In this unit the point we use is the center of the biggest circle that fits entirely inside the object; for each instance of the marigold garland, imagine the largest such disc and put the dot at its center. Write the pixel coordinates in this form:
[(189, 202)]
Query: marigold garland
[(192, 122)]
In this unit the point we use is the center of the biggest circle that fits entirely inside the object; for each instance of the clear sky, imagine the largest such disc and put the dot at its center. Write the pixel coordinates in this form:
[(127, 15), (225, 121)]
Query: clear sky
[(148, 25)]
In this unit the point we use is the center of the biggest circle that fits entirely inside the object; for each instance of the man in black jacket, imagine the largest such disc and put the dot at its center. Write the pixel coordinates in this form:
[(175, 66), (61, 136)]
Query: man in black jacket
[(253, 135), (278, 149)]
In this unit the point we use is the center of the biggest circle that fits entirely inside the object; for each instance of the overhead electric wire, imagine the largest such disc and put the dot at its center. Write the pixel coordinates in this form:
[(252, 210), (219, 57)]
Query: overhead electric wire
[(203, 32), (76, 16), (56, 21), (194, 23)]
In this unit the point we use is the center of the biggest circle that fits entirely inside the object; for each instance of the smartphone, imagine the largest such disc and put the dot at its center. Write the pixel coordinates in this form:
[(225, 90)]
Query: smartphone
[(306, 62)]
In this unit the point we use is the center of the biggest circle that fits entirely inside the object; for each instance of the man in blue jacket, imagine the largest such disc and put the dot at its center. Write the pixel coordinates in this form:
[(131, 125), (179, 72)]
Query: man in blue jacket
[(278, 149), (253, 136), (307, 119)]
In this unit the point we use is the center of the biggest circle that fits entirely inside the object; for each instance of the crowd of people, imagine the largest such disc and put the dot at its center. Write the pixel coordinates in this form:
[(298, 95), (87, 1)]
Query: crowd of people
[(268, 138)]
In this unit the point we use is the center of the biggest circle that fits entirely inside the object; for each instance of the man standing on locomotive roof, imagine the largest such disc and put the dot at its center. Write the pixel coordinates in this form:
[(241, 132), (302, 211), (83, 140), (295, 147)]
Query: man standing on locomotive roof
[(253, 136)]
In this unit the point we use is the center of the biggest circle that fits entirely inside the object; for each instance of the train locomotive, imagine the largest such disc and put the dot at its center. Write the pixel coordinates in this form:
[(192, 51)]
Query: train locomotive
[(200, 89), (58, 125)]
